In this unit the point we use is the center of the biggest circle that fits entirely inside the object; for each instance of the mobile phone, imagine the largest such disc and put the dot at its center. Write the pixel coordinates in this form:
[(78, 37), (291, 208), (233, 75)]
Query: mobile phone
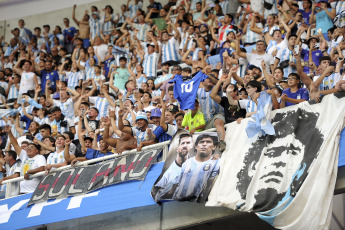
[(296, 49), (211, 4), (101, 130), (319, 31), (29, 137)]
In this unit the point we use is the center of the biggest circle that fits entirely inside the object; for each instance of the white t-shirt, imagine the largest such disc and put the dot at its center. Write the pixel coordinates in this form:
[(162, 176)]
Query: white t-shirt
[(101, 50), (255, 59), (28, 186), (27, 82)]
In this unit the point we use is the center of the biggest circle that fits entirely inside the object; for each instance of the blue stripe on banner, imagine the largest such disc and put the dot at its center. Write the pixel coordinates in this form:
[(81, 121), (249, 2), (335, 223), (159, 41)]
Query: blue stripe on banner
[(118, 197), (341, 161)]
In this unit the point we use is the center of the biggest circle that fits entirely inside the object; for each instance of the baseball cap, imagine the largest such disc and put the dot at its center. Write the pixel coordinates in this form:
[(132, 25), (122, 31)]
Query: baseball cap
[(56, 95), (142, 116), (156, 113)]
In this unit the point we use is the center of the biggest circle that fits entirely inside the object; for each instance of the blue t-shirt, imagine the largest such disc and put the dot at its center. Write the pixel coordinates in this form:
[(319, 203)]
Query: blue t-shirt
[(92, 154), (68, 34), (107, 64), (305, 15), (316, 55), (185, 91), (301, 93), (53, 76)]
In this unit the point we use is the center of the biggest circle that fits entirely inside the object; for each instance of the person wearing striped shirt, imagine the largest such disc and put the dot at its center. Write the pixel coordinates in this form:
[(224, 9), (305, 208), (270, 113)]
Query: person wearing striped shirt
[(107, 20), (253, 87), (170, 46), (66, 104), (164, 188), (95, 25), (197, 171), (330, 75), (13, 88), (286, 55), (142, 28), (150, 62), (225, 5), (24, 33), (252, 37), (133, 8), (74, 77)]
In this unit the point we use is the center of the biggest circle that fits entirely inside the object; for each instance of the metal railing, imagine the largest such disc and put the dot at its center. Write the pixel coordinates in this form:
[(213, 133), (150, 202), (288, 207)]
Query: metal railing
[(84, 163)]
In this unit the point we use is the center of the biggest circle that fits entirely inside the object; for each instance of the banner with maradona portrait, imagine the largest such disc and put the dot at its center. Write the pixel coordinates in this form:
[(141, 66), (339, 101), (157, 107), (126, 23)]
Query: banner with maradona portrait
[(287, 179), (190, 169)]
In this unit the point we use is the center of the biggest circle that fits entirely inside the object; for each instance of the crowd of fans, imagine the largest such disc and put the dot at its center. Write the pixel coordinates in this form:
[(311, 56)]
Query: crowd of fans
[(129, 79)]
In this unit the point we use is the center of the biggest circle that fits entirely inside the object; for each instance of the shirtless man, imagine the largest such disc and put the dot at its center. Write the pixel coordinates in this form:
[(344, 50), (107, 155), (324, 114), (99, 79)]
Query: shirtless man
[(84, 27), (125, 142)]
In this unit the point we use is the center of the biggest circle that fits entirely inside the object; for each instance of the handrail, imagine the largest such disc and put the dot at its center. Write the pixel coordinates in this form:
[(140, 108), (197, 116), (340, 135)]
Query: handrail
[(84, 163)]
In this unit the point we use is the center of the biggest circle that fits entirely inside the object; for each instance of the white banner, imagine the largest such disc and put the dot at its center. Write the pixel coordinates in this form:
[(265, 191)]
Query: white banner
[(288, 179)]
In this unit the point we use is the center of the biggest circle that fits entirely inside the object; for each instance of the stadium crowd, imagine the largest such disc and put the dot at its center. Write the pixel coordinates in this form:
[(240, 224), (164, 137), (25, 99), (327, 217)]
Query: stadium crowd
[(124, 80)]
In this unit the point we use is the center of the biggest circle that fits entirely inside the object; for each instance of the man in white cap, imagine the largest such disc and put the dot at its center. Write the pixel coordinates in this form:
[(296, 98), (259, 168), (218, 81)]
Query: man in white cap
[(143, 130)]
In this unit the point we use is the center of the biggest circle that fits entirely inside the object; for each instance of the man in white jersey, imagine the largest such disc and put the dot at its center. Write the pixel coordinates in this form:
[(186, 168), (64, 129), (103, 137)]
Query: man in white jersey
[(197, 170), (12, 171), (32, 163), (28, 79)]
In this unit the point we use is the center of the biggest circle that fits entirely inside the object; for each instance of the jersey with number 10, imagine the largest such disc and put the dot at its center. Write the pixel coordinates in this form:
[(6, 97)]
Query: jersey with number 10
[(185, 91)]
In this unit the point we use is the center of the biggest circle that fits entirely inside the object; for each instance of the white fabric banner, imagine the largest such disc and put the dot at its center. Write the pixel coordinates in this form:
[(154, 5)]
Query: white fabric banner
[(288, 179)]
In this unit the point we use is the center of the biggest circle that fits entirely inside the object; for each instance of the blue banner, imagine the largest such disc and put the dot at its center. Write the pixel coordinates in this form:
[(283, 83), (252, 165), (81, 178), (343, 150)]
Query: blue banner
[(117, 197)]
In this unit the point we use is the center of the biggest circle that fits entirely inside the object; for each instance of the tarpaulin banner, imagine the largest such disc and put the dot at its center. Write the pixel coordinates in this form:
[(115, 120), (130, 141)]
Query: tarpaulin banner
[(15, 214), (83, 179), (287, 179), (191, 166)]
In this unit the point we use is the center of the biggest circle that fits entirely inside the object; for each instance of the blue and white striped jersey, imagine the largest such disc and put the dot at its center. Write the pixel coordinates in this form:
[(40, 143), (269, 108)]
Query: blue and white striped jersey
[(248, 105), (13, 92), (107, 26), (134, 8), (89, 72), (67, 107), (102, 104), (150, 64), (207, 105), (170, 50), (143, 29), (252, 37), (285, 54), (328, 82), (142, 136), (225, 6), (194, 176), (95, 28), (73, 79)]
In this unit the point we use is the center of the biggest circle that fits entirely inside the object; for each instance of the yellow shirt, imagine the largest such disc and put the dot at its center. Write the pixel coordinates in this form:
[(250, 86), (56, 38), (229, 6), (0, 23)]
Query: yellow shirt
[(193, 122)]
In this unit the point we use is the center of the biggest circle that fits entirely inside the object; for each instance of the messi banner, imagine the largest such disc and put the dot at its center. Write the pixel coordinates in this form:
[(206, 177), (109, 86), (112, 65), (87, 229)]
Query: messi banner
[(287, 179), (83, 179), (190, 169)]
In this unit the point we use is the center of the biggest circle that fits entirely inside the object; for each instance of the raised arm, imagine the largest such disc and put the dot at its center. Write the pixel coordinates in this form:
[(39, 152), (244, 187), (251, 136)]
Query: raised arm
[(13, 140), (73, 15)]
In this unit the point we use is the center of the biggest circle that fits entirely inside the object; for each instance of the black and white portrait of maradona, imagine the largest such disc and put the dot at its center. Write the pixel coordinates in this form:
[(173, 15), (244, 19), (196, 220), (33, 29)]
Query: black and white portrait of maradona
[(275, 167)]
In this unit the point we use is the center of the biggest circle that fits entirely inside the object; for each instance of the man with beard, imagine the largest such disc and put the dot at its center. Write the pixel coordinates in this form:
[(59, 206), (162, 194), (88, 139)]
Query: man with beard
[(164, 189), (197, 170)]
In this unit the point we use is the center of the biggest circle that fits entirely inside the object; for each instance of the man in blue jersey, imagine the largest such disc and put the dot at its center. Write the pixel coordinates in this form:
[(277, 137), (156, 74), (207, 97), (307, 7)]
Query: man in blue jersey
[(68, 34), (164, 188), (198, 170)]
